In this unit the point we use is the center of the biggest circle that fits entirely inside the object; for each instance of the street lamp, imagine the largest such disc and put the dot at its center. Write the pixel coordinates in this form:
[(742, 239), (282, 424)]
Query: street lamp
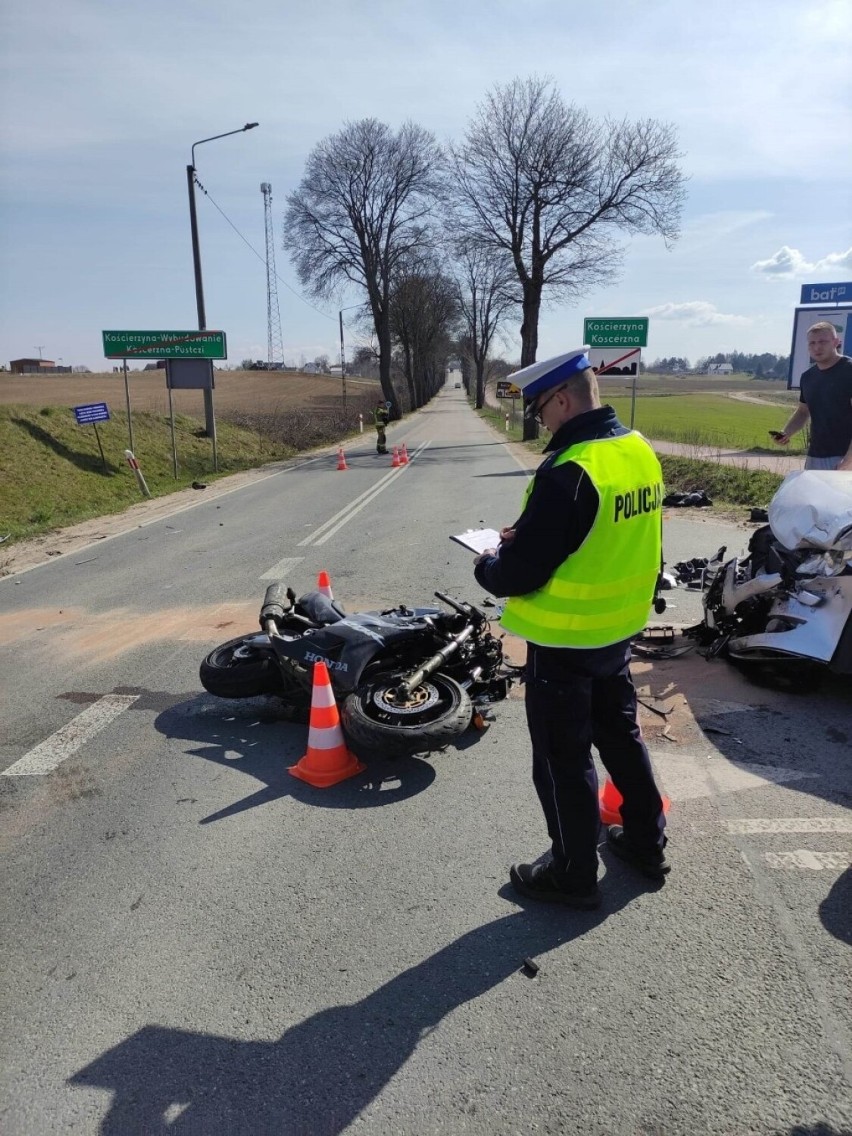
[(342, 354), (210, 420)]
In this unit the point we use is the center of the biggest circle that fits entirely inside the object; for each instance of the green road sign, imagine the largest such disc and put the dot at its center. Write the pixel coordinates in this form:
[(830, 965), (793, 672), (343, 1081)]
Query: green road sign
[(165, 344), (616, 332)]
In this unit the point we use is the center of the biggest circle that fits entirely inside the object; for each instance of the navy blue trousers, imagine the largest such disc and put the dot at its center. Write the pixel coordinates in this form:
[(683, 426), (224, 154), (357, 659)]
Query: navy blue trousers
[(576, 699)]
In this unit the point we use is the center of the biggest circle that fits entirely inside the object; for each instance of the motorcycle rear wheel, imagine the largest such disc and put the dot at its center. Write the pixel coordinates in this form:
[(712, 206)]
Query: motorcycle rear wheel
[(237, 669), (437, 711)]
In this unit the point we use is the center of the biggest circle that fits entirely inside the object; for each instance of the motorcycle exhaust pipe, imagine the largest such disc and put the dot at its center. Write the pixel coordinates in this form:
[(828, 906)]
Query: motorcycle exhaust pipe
[(435, 663), (275, 603)]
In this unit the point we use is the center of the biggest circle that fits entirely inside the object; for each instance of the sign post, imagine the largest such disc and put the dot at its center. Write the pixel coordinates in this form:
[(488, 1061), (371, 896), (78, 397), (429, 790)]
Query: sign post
[(616, 331), (629, 335), (90, 415), (196, 345), (165, 345)]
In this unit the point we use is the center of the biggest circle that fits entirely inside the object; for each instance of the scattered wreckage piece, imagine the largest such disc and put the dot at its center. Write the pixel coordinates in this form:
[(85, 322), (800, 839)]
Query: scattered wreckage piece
[(784, 611)]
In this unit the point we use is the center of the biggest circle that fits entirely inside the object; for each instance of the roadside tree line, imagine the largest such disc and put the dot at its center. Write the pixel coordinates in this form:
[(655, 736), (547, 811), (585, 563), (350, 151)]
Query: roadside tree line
[(448, 243)]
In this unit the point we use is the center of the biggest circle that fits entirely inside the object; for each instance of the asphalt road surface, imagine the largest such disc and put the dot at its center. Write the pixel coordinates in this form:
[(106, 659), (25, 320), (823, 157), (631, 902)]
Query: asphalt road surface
[(195, 942)]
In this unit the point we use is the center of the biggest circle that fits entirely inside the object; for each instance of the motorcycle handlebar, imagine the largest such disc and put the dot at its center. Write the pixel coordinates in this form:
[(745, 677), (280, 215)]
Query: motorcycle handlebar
[(465, 609)]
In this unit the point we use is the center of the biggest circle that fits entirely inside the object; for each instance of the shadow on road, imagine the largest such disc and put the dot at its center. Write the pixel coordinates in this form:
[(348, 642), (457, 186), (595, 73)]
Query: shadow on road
[(321, 1074), (835, 911), (252, 736)]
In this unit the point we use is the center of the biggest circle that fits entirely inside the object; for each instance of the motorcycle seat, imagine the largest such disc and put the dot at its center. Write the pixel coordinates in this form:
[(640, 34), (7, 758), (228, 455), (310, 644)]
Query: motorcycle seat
[(319, 608)]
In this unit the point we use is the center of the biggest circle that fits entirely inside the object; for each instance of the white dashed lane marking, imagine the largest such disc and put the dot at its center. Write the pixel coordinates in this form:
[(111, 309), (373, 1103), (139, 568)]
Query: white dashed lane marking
[(283, 568), (805, 858), (749, 825), (50, 753)]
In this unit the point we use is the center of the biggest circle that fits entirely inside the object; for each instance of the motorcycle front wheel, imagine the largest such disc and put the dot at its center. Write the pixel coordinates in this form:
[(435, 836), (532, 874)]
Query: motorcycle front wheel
[(378, 718), (240, 669)]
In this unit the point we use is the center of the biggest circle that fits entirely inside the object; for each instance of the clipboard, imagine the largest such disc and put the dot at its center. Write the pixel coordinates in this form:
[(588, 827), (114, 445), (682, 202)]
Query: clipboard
[(477, 540)]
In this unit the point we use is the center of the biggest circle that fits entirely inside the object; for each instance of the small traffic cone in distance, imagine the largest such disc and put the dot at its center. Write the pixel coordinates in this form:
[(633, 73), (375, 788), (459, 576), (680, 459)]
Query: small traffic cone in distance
[(610, 801), (324, 585), (403, 455), (396, 462), (341, 459), (326, 760)]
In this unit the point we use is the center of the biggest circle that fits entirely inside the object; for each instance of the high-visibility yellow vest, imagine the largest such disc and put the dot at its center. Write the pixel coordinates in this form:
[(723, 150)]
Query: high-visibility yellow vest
[(603, 592)]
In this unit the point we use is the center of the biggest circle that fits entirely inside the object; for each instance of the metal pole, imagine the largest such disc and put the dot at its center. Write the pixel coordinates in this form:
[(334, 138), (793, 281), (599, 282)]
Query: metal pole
[(342, 361), (209, 416), (174, 439), (633, 402), (196, 253), (100, 447), (127, 396)]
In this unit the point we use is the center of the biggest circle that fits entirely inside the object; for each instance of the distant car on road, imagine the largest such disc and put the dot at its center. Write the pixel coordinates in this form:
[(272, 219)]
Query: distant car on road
[(458, 386)]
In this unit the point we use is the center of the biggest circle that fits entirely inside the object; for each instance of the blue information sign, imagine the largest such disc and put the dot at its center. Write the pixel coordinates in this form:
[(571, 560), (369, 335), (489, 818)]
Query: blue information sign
[(91, 412), (837, 293)]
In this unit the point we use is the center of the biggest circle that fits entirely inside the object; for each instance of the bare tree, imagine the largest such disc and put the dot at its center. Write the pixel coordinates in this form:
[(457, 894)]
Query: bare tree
[(424, 314), (544, 182), (484, 282), (363, 206)]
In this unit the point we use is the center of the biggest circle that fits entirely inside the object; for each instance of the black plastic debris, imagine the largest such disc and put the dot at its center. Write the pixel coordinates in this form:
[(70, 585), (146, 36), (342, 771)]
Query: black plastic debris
[(530, 967), (760, 515), (698, 498), (691, 572)]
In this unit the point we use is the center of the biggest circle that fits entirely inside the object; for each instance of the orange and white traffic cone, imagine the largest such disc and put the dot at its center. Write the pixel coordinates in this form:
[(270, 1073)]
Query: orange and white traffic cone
[(610, 801), (341, 459), (324, 585), (327, 760), (403, 455), (396, 463)]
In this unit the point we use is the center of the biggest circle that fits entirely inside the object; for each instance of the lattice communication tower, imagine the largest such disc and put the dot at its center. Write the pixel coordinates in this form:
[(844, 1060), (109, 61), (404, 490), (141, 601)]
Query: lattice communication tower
[(275, 341)]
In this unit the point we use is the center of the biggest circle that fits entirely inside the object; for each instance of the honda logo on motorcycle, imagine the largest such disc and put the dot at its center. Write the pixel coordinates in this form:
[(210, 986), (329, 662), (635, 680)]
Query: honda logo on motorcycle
[(313, 657)]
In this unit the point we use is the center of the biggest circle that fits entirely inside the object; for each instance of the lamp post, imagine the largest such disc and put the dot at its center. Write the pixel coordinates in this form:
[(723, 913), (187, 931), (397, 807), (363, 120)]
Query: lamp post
[(342, 354), (210, 420)]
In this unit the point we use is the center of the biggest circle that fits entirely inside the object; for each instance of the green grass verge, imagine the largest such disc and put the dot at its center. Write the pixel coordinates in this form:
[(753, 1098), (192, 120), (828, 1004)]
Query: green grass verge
[(726, 484), (51, 473), (707, 420)]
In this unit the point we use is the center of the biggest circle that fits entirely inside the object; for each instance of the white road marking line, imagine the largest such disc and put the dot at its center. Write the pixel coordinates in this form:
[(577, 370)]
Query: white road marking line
[(331, 526), (54, 750), (804, 858), (688, 776), (749, 825), (280, 570)]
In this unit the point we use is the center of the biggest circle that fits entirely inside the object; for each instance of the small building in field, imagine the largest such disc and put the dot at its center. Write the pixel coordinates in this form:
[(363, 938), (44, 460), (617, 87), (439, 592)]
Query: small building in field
[(31, 366), (720, 369)]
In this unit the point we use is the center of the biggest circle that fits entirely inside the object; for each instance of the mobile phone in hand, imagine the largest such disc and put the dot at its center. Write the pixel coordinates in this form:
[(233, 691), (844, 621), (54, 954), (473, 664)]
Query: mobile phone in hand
[(775, 434)]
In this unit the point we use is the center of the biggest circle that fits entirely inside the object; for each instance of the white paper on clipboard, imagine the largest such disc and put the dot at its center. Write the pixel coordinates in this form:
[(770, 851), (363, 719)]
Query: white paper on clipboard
[(477, 540)]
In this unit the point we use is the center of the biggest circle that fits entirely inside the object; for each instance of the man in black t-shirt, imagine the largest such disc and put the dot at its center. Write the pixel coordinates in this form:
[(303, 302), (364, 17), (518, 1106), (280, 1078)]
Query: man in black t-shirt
[(825, 400)]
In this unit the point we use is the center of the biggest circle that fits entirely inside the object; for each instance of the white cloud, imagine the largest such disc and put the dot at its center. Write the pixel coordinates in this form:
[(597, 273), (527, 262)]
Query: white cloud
[(788, 263), (696, 313)]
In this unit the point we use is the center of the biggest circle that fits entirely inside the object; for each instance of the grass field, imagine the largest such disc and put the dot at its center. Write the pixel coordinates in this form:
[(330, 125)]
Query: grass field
[(727, 485), (263, 391), (51, 473), (709, 412), (708, 420)]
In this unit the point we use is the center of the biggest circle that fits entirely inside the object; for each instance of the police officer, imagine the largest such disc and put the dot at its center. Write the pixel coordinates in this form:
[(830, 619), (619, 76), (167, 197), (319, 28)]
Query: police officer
[(381, 418), (580, 566)]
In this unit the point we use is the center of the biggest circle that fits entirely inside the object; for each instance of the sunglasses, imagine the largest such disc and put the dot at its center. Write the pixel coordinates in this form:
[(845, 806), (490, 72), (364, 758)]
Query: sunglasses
[(535, 412)]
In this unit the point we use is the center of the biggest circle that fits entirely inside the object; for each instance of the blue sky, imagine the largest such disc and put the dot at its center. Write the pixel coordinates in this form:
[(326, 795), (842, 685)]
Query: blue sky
[(101, 103)]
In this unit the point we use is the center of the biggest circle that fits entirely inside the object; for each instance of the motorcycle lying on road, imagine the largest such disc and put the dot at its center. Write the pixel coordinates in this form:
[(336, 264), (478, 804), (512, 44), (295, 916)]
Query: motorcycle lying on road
[(407, 680), (784, 612)]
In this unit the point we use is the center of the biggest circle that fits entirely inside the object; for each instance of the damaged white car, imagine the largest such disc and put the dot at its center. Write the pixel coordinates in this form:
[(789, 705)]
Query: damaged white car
[(785, 610)]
